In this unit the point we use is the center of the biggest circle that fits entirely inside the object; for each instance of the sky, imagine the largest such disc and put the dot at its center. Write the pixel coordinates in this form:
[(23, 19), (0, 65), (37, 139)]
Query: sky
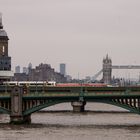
[(77, 32)]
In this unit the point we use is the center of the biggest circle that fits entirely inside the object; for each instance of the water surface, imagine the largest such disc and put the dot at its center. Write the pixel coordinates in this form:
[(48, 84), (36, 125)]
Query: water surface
[(98, 122)]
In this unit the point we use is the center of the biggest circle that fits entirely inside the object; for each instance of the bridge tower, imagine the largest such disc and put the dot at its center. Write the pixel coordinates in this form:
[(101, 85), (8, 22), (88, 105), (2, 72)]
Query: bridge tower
[(5, 60), (107, 70)]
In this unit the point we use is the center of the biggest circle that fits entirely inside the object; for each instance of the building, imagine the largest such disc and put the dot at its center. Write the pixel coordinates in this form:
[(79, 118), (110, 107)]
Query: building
[(69, 78), (44, 72), (5, 60), (17, 69), (25, 70), (63, 69), (20, 77)]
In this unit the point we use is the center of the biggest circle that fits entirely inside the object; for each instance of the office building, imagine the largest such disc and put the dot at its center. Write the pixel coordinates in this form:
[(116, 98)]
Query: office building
[(63, 69), (17, 69)]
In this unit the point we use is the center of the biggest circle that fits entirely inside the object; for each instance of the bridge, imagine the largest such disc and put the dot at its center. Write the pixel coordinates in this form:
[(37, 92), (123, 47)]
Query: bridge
[(126, 67), (20, 102), (107, 70)]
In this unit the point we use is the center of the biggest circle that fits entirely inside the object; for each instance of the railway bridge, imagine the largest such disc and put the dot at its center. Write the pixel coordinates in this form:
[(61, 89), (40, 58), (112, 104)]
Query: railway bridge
[(20, 102)]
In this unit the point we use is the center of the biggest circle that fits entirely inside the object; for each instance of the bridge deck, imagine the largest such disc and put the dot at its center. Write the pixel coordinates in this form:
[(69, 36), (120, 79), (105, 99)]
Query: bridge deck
[(42, 91), (32, 99)]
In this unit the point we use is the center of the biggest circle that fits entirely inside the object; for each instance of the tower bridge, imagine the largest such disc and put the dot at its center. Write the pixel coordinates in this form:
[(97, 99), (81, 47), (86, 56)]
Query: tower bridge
[(107, 70)]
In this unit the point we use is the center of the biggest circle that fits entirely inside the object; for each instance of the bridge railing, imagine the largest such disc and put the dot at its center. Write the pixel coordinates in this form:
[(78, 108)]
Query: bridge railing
[(80, 91)]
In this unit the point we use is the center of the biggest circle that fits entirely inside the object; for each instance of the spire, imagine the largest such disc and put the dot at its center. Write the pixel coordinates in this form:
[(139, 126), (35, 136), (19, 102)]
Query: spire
[(1, 26), (107, 57)]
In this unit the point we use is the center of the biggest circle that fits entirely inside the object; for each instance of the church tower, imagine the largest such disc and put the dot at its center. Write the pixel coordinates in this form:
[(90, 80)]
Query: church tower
[(5, 60), (107, 70)]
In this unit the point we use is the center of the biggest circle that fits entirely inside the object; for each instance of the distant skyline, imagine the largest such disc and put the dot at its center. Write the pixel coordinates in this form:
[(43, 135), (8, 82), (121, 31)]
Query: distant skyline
[(78, 33)]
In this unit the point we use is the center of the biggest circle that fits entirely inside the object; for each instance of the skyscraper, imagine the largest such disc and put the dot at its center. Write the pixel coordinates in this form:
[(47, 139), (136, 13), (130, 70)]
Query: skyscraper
[(17, 69), (25, 70), (63, 69)]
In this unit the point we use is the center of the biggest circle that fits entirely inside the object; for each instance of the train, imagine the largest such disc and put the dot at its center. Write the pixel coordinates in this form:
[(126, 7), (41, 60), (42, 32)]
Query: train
[(51, 83), (29, 83)]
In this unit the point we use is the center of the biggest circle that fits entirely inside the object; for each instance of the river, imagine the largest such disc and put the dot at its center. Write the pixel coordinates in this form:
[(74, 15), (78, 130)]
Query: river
[(98, 122)]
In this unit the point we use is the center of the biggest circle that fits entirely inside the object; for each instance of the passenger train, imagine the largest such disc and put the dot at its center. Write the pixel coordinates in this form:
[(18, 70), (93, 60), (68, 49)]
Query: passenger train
[(30, 83)]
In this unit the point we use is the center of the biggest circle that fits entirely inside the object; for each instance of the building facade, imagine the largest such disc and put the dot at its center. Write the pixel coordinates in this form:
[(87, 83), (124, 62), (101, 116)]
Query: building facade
[(5, 59), (25, 70), (42, 72), (17, 69), (63, 69), (107, 70)]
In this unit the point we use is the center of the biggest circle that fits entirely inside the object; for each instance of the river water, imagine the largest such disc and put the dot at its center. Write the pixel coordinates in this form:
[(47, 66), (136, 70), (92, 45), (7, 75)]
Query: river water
[(98, 122)]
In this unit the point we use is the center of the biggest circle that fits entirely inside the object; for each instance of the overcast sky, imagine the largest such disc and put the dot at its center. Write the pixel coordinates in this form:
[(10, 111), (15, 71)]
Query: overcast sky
[(76, 32)]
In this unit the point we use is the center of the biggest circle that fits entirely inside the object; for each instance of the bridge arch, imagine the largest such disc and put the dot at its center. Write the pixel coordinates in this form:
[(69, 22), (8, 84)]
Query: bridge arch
[(4, 110), (124, 106), (42, 106), (127, 107), (54, 102)]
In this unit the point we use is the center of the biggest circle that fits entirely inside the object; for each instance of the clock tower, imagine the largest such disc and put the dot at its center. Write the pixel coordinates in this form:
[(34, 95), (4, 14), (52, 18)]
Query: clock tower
[(5, 60)]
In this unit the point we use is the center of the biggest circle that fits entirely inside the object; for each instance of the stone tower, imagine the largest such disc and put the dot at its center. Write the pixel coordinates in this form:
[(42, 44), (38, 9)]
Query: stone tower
[(5, 60), (107, 70)]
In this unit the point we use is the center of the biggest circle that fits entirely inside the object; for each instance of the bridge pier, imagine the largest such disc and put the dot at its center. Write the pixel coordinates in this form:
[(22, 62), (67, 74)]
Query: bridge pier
[(16, 116), (78, 106), (20, 119), (27, 119), (16, 119)]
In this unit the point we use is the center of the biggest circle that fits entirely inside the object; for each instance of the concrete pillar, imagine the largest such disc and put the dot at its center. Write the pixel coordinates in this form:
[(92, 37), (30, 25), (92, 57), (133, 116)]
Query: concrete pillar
[(78, 106), (16, 105), (27, 119), (16, 116)]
